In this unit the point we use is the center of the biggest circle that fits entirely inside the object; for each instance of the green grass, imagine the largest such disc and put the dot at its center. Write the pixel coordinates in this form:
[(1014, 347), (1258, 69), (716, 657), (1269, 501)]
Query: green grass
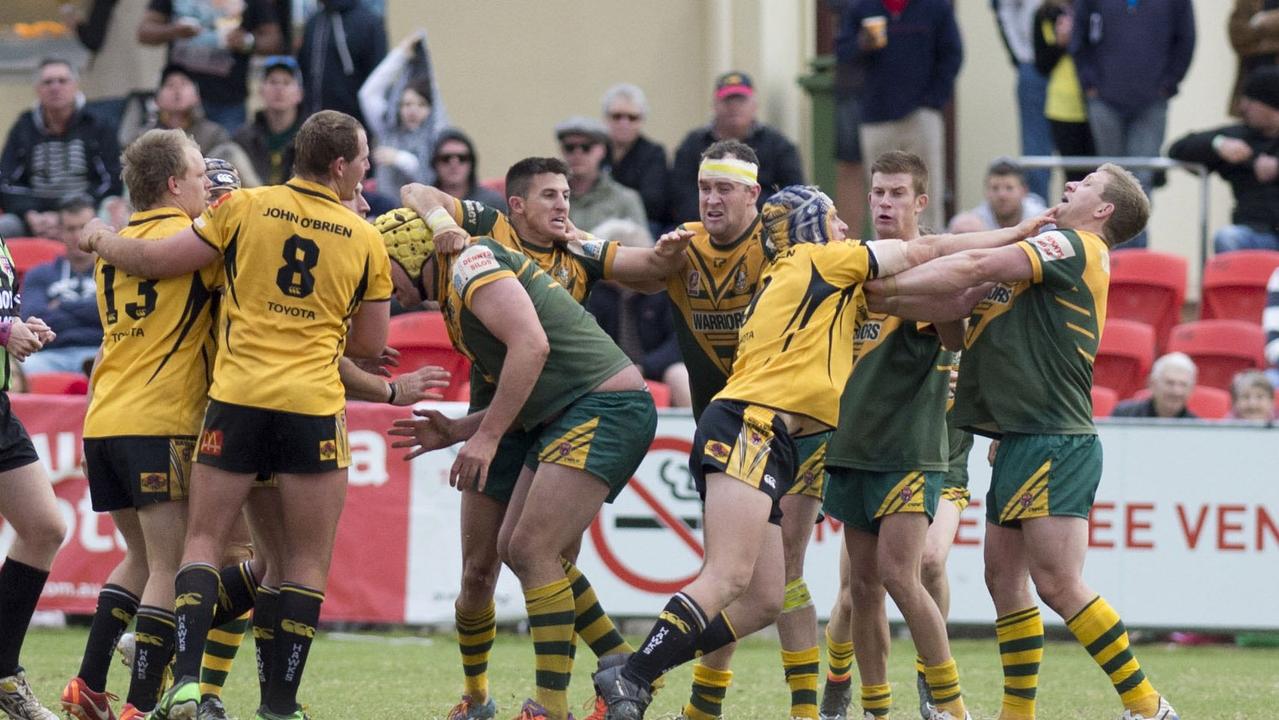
[(389, 676)]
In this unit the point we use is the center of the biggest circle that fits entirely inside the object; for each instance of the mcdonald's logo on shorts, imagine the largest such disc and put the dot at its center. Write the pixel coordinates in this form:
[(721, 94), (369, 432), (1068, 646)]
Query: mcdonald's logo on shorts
[(211, 442)]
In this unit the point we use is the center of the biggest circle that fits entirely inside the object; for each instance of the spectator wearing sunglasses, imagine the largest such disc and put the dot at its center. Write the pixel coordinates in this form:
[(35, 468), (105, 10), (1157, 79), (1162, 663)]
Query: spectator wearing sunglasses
[(454, 163), (637, 162), (596, 195)]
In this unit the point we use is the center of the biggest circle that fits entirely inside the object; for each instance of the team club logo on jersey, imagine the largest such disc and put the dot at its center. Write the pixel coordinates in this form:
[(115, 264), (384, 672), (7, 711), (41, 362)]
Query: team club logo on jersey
[(906, 494), (694, 283), (1053, 246), (328, 450), (741, 282), (153, 482), (211, 443), (562, 276)]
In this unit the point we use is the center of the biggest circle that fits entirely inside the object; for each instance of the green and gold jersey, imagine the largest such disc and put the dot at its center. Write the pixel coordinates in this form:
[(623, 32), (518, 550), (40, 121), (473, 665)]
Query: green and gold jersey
[(796, 344), (1030, 345), (10, 305), (710, 295), (581, 355), (575, 265), (961, 444), (893, 411), (157, 343), (298, 264)]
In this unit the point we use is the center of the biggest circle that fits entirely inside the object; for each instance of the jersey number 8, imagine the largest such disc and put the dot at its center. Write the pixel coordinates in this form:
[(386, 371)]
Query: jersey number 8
[(300, 258)]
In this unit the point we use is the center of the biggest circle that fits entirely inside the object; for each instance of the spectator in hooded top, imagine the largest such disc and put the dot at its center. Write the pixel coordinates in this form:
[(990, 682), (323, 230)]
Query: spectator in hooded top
[(636, 161), (213, 41), (736, 118), (341, 44), (54, 150), (404, 115), (1172, 379), (268, 140), (455, 163), (1246, 155)]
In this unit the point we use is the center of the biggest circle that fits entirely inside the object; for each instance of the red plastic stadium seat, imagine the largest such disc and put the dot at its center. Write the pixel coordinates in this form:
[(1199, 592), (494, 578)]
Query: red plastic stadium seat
[(28, 252), (58, 383), (661, 393), (1234, 285), (1147, 286), (1104, 401), (422, 339), (1276, 401), (1209, 403), (1124, 357), (497, 185), (1220, 348)]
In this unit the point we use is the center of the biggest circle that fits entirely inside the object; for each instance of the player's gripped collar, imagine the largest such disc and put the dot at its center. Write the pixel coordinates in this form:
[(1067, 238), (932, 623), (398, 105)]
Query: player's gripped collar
[(141, 217), (314, 189), (750, 231)]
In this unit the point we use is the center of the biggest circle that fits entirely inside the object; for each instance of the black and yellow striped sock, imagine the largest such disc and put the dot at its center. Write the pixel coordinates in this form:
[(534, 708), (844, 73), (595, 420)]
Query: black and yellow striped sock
[(710, 685), (592, 623), (801, 667), (264, 635), (154, 633), (297, 614), (219, 654), (550, 619), (877, 699), (475, 634), (1098, 628), (238, 593), (943, 683), (1021, 650), (839, 659)]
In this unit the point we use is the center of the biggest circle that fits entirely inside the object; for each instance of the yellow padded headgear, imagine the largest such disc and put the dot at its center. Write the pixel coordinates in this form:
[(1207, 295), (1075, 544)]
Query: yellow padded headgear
[(408, 240)]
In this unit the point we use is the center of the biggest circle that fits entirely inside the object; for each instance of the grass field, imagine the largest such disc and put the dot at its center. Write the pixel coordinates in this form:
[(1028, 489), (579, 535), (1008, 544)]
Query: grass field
[(389, 676)]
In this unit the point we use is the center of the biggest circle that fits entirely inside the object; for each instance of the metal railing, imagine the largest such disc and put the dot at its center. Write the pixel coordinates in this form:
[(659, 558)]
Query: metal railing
[(1084, 162)]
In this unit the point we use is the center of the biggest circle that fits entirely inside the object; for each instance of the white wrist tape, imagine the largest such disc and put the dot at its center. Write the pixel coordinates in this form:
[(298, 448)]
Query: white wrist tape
[(440, 219), (890, 255)]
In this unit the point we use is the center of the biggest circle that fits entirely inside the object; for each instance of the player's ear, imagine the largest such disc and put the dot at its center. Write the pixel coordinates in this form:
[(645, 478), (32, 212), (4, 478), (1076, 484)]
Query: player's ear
[(921, 202)]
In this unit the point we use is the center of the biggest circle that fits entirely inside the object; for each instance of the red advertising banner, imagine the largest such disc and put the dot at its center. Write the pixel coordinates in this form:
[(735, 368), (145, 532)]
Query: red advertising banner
[(369, 565)]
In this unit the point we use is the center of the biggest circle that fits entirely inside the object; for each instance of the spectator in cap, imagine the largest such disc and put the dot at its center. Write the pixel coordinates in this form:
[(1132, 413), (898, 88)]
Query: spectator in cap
[(736, 109), (596, 196), (1244, 155), (222, 175), (455, 163), (636, 161), (1008, 200), (404, 115), (177, 107), (268, 140), (911, 52)]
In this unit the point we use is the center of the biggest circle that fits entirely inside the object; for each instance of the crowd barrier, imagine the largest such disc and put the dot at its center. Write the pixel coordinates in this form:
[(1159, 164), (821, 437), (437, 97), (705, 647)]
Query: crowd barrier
[(1185, 531)]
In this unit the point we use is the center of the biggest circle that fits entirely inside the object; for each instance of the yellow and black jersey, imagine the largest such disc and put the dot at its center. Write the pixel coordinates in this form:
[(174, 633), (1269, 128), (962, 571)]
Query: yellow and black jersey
[(795, 350), (575, 265), (157, 343), (710, 295), (298, 264)]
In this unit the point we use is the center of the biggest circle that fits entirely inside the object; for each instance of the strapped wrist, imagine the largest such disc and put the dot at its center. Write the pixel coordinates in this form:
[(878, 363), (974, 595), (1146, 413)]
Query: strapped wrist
[(390, 385), (440, 220)]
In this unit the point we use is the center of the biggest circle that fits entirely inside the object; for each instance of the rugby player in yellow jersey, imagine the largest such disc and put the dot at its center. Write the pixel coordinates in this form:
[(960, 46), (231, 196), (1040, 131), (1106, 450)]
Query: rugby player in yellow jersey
[(306, 282), (538, 226), (794, 355), (150, 384), (1026, 379), (710, 293)]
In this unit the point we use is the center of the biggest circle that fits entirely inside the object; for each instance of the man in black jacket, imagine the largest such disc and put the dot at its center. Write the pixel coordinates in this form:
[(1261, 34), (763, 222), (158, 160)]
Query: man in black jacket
[(53, 151), (1172, 379), (1247, 157), (341, 45)]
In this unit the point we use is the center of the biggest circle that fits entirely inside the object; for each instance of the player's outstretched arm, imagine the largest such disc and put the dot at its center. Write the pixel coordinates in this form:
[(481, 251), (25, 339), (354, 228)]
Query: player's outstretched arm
[(646, 269), (946, 311), (432, 430), (949, 244), (407, 389), (957, 273), (505, 309), (178, 254)]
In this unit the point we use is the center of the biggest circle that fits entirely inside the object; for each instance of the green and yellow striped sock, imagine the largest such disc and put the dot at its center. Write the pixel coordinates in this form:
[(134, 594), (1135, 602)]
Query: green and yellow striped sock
[(839, 658), (550, 619), (1098, 628), (475, 634), (219, 653), (592, 623), (710, 685), (801, 667), (877, 699), (943, 684), (1021, 650)]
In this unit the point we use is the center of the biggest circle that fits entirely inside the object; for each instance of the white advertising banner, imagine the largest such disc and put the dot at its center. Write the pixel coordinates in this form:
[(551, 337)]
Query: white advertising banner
[(1184, 533)]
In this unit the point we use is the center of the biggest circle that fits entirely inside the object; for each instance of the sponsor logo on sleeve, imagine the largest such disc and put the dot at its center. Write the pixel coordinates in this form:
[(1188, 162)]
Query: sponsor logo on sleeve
[(476, 261), (593, 248), (1052, 246)]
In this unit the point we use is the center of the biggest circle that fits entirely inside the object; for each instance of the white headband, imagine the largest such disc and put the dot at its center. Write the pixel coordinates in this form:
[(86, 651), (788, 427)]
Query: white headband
[(730, 169)]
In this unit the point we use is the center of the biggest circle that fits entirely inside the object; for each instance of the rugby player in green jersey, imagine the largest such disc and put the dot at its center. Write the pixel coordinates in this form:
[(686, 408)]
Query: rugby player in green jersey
[(1027, 377)]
